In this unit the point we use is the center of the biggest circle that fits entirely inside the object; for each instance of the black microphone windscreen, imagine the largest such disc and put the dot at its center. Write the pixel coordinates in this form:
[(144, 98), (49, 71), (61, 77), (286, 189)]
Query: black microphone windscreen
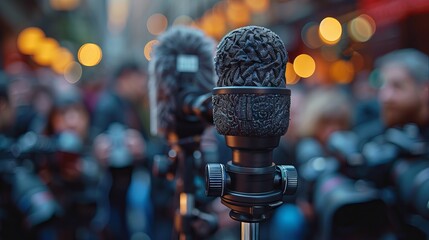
[(251, 98), (251, 56)]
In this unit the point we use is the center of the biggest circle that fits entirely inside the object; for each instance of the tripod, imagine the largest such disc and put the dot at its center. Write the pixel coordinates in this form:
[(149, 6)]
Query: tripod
[(184, 184), (186, 153)]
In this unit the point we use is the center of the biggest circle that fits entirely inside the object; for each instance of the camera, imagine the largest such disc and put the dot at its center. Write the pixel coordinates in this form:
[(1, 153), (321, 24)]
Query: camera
[(357, 187), (45, 180), (27, 202)]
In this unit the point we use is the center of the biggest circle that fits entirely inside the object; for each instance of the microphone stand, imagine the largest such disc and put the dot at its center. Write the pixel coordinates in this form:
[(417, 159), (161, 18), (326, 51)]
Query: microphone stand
[(182, 73), (249, 231), (185, 142), (184, 183)]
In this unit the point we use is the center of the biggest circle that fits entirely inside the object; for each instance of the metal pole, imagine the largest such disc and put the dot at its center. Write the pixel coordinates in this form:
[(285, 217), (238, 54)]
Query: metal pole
[(249, 231)]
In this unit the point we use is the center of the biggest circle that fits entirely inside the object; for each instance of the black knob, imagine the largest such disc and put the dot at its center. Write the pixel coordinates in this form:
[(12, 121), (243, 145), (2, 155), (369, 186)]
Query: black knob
[(215, 179), (289, 179)]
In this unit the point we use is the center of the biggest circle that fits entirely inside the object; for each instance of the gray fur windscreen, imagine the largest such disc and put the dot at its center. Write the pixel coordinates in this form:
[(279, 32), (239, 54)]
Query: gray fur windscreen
[(251, 56), (166, 80)]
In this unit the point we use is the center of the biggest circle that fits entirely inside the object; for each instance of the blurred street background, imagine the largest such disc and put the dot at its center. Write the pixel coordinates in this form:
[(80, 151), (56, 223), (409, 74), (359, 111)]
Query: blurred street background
[(125, 29), (78, 159)]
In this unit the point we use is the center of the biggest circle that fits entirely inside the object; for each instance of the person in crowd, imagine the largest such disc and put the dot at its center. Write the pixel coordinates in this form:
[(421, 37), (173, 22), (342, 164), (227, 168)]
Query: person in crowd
[(323, 112), (119, 129), (74, 176), (7, 111), (404, 93), (285, 152), (326, 110), (119, 150), (404, 103), (366, 122), (26, 204), (20, 92), (122, 101), (332, 185), (68, 113), (43, 102)]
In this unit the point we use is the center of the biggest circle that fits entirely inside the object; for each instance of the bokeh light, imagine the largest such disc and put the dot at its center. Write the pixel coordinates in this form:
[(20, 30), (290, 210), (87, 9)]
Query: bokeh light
[(157, 23), (361, 28), (214, 24), (330, 30), (89, 54), (291, 76), (148, 49), (45, 52), (117, 13), (73, 72), (258, 6), (304, 65), (62, 59), (64, 5), (183, 20), (310, 35), (342, 72), (29, 40), (238, 14)]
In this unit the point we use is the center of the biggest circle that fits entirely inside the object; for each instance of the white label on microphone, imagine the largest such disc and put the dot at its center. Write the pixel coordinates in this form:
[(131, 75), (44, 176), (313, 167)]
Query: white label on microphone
[(187, 63)]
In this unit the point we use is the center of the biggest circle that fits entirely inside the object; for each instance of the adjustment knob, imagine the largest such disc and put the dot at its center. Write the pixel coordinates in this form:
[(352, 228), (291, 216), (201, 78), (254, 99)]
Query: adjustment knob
[(289, 179), (215, 179)]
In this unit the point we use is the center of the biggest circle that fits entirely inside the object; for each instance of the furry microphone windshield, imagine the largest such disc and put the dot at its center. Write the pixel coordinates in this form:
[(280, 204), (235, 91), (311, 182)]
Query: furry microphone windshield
[(182, 61)]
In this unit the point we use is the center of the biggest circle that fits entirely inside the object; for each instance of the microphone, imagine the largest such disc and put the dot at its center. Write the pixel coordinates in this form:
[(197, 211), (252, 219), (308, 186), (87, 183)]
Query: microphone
[(251, 108), (181, 79)]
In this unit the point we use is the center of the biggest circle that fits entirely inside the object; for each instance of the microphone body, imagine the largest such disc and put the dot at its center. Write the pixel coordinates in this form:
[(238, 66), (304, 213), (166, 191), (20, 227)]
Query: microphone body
[(251, 108)]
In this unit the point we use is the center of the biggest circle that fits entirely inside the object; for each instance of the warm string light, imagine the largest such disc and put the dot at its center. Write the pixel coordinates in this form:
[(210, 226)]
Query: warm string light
[(29, 40), (238, 14), (64, 5), (63, 57), (230, 14), (330, 30), (183, 20), (341, 72), (361, 28), (310, 35), (73, 72), (117, 14), (304, 65), (213, 24), (291, 76), (324, 36), (45, 52), (258, 6), (157, 23), (90, 54), (148, 49)]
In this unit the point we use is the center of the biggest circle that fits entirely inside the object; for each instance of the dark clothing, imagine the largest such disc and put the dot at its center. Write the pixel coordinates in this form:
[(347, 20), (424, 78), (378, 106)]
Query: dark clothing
[(112, 108), (24, 116)]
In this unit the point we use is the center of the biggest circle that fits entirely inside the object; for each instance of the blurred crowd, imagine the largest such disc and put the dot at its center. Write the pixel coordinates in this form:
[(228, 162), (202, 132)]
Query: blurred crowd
[(77, 160)]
